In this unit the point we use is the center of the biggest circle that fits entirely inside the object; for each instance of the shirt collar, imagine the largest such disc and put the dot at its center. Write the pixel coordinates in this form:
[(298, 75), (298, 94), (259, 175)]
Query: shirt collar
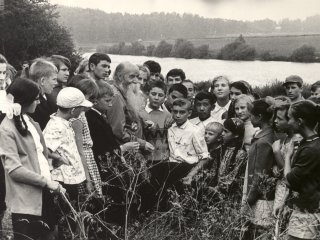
[(183, 126), (149, 109), (263, 132), (195, 120), (218, 107), (97, 111)]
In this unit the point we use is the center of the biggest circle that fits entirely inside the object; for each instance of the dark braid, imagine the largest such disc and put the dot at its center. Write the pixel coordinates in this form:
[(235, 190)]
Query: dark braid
[(21, 125)]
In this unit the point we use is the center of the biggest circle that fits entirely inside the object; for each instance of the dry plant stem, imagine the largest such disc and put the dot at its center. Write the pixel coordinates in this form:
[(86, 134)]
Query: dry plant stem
[(136, 178), (77, 218)]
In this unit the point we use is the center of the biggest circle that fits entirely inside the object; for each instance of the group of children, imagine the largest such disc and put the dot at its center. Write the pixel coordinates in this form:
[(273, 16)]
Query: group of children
[(75, 154)]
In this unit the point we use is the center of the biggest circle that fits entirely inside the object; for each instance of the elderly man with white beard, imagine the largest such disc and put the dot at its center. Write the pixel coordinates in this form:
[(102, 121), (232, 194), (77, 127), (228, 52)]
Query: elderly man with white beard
[(123, 116)]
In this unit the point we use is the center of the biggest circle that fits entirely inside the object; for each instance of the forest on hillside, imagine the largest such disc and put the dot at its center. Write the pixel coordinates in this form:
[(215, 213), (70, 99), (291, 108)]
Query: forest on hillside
[(95, 26)]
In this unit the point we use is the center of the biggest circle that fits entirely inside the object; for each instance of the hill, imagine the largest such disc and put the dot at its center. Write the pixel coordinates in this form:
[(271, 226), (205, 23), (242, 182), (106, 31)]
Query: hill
[(90, 26)]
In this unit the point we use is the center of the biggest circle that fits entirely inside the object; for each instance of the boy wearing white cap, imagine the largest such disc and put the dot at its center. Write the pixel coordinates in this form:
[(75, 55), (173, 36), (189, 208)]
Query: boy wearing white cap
[(60, 138)]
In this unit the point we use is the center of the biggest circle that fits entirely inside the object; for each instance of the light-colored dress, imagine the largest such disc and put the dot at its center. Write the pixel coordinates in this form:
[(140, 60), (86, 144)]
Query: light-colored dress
[(88, 154)]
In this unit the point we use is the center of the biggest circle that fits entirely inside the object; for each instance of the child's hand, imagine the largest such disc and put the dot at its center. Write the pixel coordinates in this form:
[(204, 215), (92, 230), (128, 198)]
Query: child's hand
[(290, 150), (55, 187), (149, 124), (149, 147), (58, 160), (168, 122), (187, 180), (90, 187), (130, 146)]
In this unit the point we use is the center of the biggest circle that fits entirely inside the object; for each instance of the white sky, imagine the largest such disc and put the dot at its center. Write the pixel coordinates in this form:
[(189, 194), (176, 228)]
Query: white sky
[(229, 9)]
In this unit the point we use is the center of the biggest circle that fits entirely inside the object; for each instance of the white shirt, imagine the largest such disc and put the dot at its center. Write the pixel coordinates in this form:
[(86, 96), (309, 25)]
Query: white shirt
[(43, 161), (60, 137), (186, 143), (217, 112), (202, 124)]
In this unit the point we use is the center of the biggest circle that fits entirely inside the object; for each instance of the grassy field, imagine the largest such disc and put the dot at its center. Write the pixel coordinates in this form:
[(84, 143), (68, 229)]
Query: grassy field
[(280, 45)]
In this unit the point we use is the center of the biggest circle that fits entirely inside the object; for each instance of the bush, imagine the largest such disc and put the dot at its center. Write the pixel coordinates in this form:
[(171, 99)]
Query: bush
[(304, 54), (163, 49), (150, 49), (183, 49), (237, 50), (202, 51)]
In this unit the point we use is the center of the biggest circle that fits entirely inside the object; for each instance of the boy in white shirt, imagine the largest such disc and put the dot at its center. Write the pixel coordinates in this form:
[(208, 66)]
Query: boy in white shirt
[(186, 142)]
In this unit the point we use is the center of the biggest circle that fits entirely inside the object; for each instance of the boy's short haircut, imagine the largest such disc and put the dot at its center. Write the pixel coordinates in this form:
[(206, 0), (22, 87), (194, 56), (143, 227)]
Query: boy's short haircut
[(158, 84), (87, 86), (104, 89), (58, 60), (176, 72), (179, 88), (41, 68), (182, 102), (315, 86), (215, 126), (97, 57), (205, 95), (153, 66)]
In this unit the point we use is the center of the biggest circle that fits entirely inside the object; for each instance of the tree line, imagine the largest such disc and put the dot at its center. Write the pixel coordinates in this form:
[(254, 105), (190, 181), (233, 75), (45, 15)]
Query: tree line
[(96, 26), (236, 50), (29, 29)]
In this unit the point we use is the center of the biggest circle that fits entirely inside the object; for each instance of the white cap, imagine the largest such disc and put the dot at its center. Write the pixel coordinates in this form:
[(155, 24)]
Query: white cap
[(71, 97)]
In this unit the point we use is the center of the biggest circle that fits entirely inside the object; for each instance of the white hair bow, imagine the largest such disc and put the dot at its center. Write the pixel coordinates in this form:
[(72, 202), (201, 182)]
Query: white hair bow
[(7, 106)]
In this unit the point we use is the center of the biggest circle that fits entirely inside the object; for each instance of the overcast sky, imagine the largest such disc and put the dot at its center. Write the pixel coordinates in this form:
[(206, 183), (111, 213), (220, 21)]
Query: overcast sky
[(229, 9)]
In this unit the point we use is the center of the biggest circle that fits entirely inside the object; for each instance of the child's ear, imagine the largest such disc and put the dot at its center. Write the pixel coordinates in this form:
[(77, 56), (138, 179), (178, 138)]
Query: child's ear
[(300, 121), (189, 113)]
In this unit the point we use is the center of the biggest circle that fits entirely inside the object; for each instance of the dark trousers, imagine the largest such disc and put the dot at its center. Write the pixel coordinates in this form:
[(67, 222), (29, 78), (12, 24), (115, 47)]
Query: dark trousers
[(26, 227), (164, 175)]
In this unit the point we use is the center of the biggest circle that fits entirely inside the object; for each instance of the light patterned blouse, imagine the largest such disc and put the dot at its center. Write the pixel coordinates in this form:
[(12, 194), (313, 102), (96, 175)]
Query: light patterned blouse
[(59, 137)]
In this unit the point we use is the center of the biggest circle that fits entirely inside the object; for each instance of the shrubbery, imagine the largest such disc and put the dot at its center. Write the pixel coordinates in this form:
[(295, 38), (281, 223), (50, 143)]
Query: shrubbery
[(237, 50), (182, 48), (304, 54)]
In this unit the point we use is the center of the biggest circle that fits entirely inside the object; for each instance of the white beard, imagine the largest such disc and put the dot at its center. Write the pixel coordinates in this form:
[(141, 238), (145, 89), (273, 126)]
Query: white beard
[(134, 97)]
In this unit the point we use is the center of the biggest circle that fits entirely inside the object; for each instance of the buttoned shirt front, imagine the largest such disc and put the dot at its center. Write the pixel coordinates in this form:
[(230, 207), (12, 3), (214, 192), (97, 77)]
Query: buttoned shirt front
[(186, 143), (217, 112), (60, 137)]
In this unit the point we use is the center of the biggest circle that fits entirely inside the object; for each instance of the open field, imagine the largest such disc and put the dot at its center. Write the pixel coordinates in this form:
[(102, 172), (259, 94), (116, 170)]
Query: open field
[(280, 45)]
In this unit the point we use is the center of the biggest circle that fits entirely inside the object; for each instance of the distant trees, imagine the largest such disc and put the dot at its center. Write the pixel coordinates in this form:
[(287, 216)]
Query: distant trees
[(237, 50), (181, 49), (163, 49), (96, 26), (29, 29), (304, 54)]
